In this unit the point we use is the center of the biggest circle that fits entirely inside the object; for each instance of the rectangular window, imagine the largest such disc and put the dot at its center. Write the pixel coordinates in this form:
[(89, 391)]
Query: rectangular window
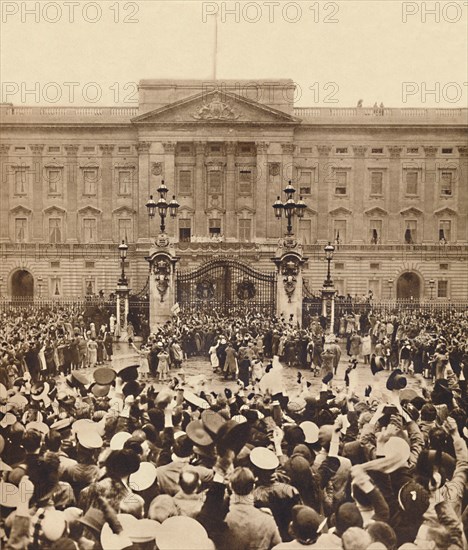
[(89, 230), (215, 182), (54, 149), (54, 181), (90, 287), (246, 149), (376, 183), (55, 265), (185, 230), (20, 148), (55, 230), (377, 151), (125, 230), (88, 149), (341, 183), (89, 181), (339, 266), (55, 287), (443, 267), (245, 182), (306, 150), (124, 149), (125, 179), (442, 289), (341, 150), (374, 267), (446, 184), (305, 231), (340, 287), (375, 231), (20, 182), (445, 231), (185, 149), (447, 150), (339, 231), (412, 150), (215, 148), (411, 232), (90, 265), (412, 182), (214, 227), (374, 288), (245, 230), (185, 182), (21, 230)]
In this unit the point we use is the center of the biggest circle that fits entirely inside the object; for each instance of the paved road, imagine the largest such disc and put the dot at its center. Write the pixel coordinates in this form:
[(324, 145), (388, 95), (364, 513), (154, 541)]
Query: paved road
[(197, 366)]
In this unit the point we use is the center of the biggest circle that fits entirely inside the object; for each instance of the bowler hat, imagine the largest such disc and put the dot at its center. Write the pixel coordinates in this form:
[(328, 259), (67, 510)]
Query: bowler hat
[(396, 381)]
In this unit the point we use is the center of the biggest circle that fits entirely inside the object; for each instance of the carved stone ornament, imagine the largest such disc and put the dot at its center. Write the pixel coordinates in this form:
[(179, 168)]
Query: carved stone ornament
[(246, 290), (157, 168), (205, 290), (275, 168), (162, 272), (290, 270), (162, 240), (216, 109)]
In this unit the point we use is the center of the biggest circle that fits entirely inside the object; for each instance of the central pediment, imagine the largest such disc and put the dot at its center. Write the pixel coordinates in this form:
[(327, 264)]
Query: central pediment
[(216, 108)]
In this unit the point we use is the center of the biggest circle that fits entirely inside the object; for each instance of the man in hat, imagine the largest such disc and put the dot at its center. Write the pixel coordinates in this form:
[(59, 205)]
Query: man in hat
[(303, 528)]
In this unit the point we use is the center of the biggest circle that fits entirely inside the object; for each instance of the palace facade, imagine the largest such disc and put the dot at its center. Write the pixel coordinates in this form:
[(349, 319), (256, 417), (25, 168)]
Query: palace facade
[(387, 186)]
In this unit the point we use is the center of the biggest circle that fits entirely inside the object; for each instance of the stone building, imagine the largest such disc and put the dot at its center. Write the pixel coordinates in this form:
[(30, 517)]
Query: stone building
[(387, 186)]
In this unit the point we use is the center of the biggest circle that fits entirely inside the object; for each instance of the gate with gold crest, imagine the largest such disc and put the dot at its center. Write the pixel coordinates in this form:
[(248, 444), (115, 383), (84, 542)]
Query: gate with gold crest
[(227, 287)]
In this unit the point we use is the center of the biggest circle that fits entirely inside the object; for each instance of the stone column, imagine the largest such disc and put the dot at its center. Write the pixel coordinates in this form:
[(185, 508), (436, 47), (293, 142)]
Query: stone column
[(323, 193), (261, 190), (37, 222), (395, 236), (289, 285), (106, 192), (72, 193), (230, 230), (144, 192), (162, 285), (199, 191), (4, 194), (428, 187), (461, 187), (169, 179), (359, 229)]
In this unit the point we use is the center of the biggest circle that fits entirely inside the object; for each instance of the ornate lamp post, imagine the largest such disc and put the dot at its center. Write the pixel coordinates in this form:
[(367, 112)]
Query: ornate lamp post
[(162, 206), (122, 294), (123, 249), (328, 290), (431, 286), (290, 207)]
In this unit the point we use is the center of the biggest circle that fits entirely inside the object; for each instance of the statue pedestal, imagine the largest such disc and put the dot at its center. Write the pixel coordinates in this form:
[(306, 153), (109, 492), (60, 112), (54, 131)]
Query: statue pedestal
[(162, 282), (122, 307), (289, 262), (328, 306)]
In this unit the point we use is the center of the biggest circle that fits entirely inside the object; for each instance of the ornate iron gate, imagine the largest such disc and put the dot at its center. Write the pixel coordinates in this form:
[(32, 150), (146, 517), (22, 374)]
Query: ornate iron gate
[(226, 286)]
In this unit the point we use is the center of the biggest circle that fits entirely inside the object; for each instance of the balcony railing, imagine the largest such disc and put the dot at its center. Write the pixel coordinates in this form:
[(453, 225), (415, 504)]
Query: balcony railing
[(73, 112), (376, 114)]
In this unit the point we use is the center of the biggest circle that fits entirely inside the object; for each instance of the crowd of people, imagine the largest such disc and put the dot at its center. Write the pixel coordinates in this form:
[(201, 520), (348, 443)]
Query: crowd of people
[(141, 455)]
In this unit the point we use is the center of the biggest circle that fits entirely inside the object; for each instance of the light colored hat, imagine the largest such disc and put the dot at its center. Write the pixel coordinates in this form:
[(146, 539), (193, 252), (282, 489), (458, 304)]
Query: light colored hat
[(264, 459), (193, 399), (89, 439), (398, 448), (112, 541), (8, 420), (311, 431), (118, 440), (53, 525), (143, 478), (183, 533), (39, 427)]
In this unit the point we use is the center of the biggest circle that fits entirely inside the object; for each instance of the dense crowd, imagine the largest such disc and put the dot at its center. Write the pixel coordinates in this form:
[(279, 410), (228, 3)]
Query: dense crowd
[(108, 459)]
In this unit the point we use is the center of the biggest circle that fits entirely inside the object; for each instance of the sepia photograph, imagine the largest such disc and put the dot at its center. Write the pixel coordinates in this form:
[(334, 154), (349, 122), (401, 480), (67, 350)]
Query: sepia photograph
[(233, 275)]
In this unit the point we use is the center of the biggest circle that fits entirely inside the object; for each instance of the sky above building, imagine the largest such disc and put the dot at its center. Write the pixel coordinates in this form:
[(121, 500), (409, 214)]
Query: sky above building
[(401, 54)]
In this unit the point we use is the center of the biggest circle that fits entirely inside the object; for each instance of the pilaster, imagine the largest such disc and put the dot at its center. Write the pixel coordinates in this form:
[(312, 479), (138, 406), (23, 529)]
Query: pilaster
[(359, 229), (72, 192), (323, 193), (106, 192), (462, 190), (199, 190), (143, 233), (169, 178), (394, 183), (231, 194), (262, 208), (428, 187), (4, 194), (38, 201)]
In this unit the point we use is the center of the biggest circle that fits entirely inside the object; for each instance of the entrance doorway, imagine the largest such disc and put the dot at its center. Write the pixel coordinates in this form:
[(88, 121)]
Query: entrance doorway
[(22, 284), (409, 286)]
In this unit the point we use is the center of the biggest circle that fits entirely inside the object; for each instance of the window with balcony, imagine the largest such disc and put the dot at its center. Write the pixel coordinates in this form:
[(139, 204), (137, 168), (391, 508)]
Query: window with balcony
[(411, 232), (445, 231), (339, 231), (214, 227), (375, 231), (185, 181), (125, 230), (185, 230), (21, 230), (245, 230), (376, 183), (89, 230), (55, 230), (341, 183)]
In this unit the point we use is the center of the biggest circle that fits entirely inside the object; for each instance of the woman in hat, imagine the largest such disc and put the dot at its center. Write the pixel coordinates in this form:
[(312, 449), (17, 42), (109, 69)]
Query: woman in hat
[(92, 352), (163, 365), (230, 365)]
